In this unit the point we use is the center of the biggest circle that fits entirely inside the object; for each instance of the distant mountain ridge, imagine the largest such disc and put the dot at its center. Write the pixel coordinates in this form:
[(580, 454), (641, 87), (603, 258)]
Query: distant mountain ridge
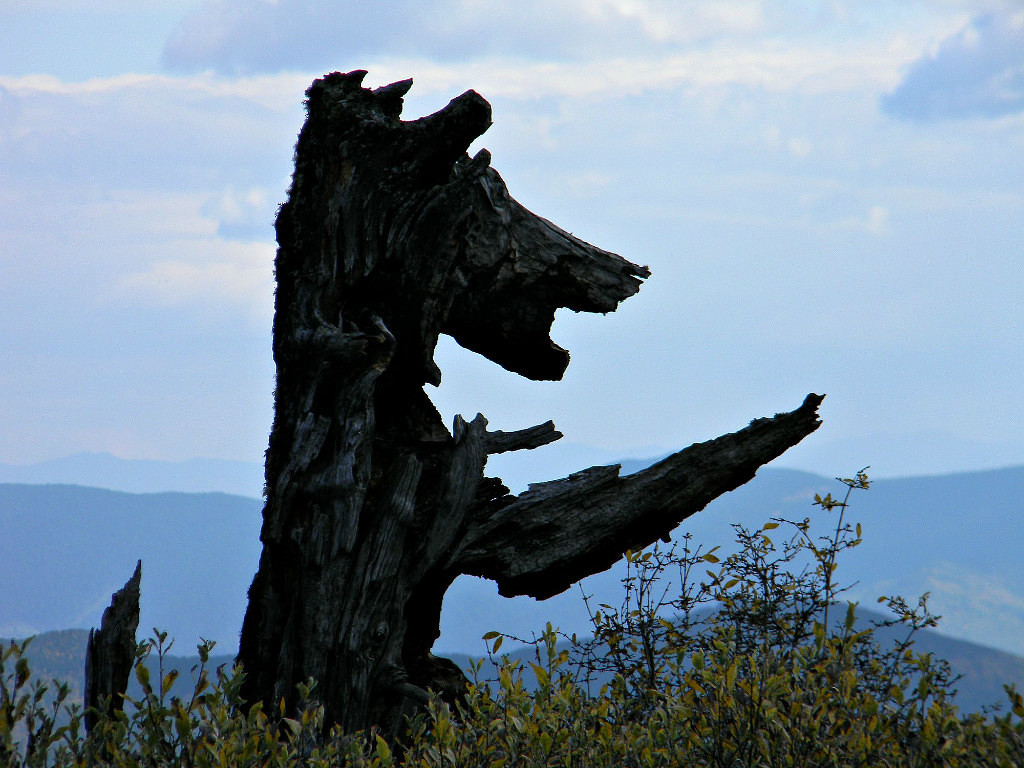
[(65, 549), (104, 470), (245, 478)]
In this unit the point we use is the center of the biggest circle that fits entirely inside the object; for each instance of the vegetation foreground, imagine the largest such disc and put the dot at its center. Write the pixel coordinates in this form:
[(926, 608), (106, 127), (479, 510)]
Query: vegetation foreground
[(748, 659)]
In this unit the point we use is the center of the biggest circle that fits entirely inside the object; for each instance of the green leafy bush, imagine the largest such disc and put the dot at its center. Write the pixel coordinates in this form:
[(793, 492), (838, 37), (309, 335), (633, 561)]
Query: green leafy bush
[(746, 659)]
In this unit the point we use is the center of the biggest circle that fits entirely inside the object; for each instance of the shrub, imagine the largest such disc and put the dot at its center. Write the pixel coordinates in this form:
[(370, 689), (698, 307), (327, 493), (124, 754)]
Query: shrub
[(749, 659)]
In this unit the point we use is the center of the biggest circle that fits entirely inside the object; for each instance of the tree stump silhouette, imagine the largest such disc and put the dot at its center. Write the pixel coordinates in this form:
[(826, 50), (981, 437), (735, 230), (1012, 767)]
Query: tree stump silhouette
[(110, 653), (392, 235)]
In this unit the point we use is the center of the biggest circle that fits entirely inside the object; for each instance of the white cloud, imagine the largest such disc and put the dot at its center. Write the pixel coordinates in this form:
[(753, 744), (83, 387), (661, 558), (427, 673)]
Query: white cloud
[(878, 217), (235, 36), (135, 132), (237, 274), (97, 6), (125, 193), (875, 220), (976, 72), (585, 44), (274, 93), (246, 214), (726, 162), (800, 147), (811, 69)]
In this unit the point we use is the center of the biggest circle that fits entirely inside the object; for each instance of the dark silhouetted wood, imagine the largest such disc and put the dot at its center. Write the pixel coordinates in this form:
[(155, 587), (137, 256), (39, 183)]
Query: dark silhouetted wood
[(392, 235), (110, 654)]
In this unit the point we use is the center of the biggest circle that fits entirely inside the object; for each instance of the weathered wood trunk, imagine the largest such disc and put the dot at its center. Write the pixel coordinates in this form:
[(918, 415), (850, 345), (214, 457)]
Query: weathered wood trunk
[(110, 653), (392, 235)]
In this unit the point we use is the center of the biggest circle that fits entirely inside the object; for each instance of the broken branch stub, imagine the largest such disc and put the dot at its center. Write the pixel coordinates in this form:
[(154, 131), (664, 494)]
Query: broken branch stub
[(110, 653), (391, 235)]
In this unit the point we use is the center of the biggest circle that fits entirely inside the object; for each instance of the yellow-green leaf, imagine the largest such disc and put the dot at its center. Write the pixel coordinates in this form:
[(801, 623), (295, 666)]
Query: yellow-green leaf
[(541, 673), (168, 681), (383, 750)]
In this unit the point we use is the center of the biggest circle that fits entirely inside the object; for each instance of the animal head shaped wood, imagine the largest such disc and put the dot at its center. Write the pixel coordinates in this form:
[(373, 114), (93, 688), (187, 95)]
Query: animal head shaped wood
[(403, 201)]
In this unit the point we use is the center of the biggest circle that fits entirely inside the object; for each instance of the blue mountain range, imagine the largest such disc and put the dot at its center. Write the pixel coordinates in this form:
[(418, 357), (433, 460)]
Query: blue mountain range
[(66, 547)]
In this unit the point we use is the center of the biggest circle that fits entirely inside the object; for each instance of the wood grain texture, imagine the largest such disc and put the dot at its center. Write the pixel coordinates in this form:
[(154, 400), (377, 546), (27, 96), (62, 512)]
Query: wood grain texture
[(392, 235), (110, 653)]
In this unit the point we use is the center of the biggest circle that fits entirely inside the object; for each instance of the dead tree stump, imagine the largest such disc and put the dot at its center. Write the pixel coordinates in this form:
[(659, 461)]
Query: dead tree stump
[(110, 654), (392, 235)]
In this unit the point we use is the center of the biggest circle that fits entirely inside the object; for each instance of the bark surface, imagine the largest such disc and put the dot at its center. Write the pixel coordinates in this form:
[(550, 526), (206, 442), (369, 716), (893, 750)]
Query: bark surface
[(110, 653), (392, 235)]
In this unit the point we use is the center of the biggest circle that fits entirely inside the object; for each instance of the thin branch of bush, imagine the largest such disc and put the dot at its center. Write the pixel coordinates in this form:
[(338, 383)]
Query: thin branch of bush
[(709, 660)]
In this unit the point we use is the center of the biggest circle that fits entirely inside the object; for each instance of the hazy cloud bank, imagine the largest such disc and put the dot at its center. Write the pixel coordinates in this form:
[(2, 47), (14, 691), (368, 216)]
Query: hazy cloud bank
[(798, 238), (977, 72), (239, 36)]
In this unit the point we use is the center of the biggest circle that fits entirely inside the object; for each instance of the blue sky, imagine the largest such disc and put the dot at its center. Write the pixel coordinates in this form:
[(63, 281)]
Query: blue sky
[(829, 195)]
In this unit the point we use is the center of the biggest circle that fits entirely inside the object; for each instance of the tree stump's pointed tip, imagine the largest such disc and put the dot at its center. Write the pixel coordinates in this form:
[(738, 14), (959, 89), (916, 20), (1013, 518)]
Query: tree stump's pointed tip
[(110, 652), (481, 160), (390, 97), (811, 402), (468, 113), (345, 82), (135, 582), (473, 96), (353, 78), (397, 88), (807, 409)]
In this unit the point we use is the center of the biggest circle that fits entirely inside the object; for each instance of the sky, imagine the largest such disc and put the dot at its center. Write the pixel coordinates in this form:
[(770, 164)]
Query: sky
[(828, 193)]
